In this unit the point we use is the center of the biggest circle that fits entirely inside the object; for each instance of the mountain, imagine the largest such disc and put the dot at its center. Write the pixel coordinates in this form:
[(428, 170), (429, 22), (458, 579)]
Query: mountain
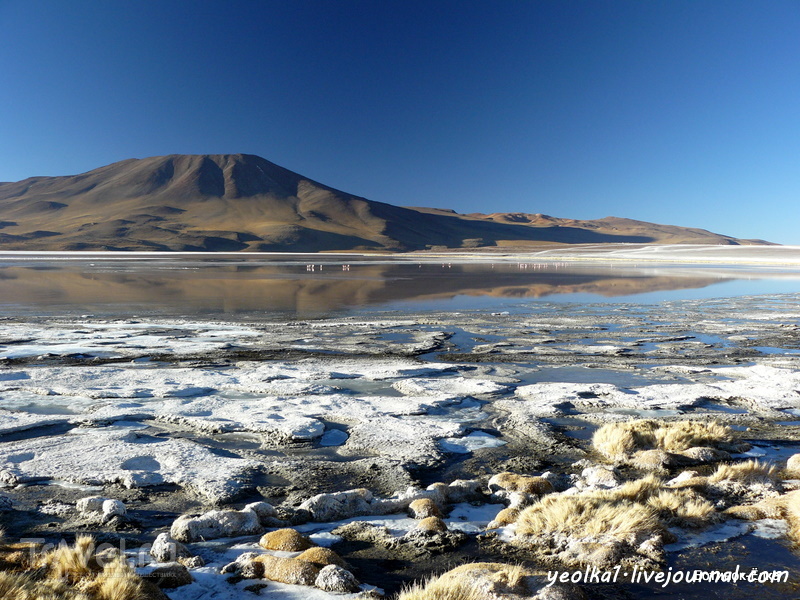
[(237, 202)]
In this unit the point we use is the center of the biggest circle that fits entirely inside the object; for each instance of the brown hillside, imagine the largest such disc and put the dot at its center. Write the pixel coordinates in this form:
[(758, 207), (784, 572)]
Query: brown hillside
[(243, 202)]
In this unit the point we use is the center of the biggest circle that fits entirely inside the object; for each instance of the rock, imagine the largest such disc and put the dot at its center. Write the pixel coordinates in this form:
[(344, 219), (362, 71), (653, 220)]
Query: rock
[(264, 510), (793, 465), (170, 576), (166, 549), (113, 508), (192, 562), (286, 540), (336, 579), (683, 477), (600, 476), (464, 490), (5, 503), (216, 524), (91, 504), (423, 508), (437, 492), (339, 505), (705, 454)]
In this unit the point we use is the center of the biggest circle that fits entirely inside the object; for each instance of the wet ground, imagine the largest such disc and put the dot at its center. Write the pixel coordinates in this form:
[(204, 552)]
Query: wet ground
[(244, 410)]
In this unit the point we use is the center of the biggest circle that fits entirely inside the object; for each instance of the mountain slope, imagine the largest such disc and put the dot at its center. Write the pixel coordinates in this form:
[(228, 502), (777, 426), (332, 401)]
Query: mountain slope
[(244, 202)]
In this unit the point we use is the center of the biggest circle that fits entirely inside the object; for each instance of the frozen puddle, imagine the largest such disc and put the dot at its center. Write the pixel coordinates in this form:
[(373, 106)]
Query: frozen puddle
[(477, 440)]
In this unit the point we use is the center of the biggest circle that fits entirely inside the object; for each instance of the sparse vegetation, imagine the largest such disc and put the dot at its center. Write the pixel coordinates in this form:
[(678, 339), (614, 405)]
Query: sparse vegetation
[(618, 441), (286, 540), (751, 471), (72, 573), (606, 525), (474, 581)]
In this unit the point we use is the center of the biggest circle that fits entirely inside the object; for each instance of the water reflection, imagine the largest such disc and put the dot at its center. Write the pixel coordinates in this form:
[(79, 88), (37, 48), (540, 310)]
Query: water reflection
[(307, 288)]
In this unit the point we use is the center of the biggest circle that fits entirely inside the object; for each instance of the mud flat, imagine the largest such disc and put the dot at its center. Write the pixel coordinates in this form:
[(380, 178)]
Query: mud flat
[(396, 447)]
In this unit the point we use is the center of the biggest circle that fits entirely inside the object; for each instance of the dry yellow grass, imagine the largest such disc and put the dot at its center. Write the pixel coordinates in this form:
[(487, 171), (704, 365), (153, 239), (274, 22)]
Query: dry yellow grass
[(424, 508), (287, 540), (513, 482), (322, 557), (432, 524), (683, 508), (23, 586), (603, 526), (782, 507), (619, 440), (588, 516), (751, 471), (505, 517), (288, 570), (74, 573), (474, 581)]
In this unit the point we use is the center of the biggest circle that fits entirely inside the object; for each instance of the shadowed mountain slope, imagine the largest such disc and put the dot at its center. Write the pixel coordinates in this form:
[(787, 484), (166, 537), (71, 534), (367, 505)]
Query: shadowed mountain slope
[(242, 202)]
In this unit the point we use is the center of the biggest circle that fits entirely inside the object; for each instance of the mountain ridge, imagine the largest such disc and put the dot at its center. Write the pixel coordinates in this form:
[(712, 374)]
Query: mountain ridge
[(242, 202)]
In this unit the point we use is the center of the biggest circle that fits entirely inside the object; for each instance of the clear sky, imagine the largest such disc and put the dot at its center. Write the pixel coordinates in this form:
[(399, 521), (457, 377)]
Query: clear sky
[(684, 112)]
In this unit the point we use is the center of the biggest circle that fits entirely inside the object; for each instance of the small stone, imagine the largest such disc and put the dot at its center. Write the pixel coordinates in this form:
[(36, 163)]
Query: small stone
[(793, 465), (336, 579), (165, 549), (91, 504), (192, 562), (599, 476), (264, 510), (113, 508)]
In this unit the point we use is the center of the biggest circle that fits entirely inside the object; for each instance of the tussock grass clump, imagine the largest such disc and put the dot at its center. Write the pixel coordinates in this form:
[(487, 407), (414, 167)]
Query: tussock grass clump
[(73, 573), (507, 516), (588, 517), (606, 526), (423, 508), (513, 482), (617, 441), (785, 507), (751, 471), (432, 525), (683, 508), (286, 540), (474, 581), (286, 570), (322, 557), (23, 586)]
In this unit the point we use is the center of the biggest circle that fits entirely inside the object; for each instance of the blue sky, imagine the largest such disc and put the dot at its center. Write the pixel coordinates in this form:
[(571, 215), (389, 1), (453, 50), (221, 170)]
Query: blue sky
[(679, 112)]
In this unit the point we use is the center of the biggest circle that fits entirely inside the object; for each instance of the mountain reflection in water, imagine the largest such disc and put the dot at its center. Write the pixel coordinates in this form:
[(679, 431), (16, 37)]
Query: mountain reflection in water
[(312, 285)]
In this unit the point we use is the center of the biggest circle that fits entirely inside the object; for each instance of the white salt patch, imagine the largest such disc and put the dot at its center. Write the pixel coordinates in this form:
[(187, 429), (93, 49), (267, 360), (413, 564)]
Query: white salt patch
[(102, 456), (450, 386), (476, 440), (472, 519), (770, 528), (719, 533)]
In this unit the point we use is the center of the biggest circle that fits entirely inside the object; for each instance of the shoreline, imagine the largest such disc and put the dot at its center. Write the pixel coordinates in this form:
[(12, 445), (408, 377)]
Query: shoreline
[(631, 254)]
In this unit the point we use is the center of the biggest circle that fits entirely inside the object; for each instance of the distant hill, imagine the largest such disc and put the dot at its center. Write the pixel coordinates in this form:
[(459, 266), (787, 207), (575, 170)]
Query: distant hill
[(237, 202)]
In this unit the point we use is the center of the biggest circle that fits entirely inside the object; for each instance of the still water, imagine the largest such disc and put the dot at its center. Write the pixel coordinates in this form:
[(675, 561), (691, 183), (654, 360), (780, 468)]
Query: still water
[(301, 286)]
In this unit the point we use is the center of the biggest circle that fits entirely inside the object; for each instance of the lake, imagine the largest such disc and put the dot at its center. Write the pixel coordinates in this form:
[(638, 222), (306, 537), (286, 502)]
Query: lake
[(303, 286)]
